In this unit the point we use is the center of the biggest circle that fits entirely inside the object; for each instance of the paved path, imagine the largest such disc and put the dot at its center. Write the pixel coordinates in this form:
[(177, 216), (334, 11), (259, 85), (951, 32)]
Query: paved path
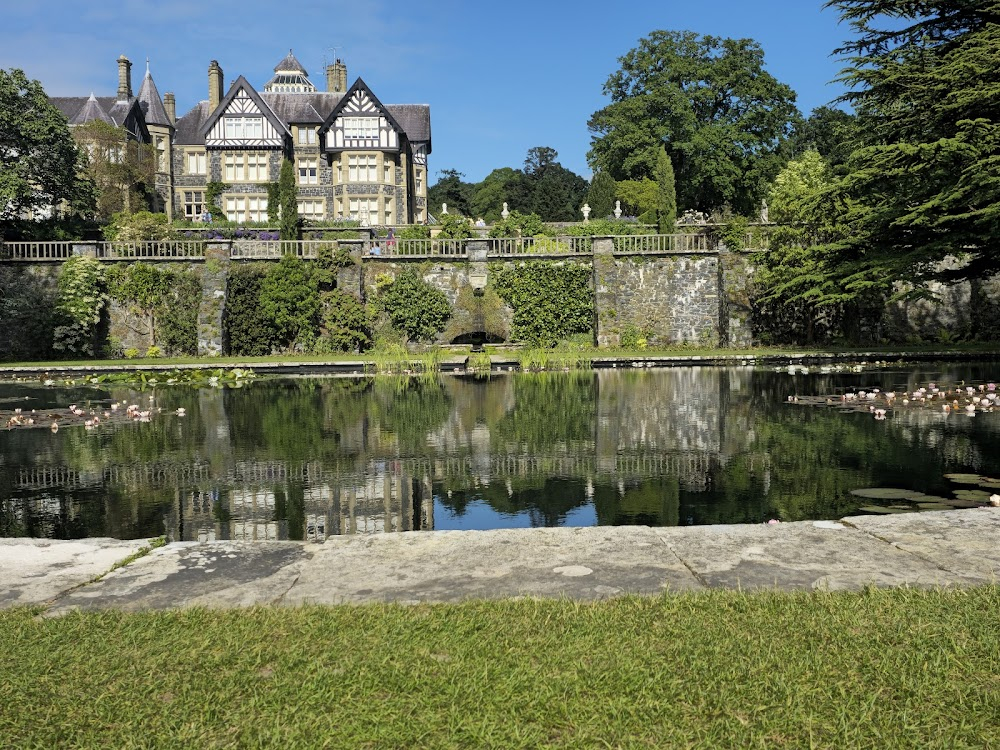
[(941, 548)]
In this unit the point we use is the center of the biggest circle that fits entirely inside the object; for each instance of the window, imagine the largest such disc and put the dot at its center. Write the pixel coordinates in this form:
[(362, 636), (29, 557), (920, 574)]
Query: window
[(308, 172), (194, 204), (244, 208), (340, 171), (195, 162), (362, 169), (388, 211), (311, 208), (388, 173), (361, 127), (250, 166), (307, 136), (161, 154), (244, 127), (364, 210), (418, 181)]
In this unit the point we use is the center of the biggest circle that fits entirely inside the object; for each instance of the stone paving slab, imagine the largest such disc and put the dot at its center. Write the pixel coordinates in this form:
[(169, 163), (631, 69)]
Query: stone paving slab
[(949, 548), (35, 571), (445, 566), (189, 574), (805, 555), (965, 543)]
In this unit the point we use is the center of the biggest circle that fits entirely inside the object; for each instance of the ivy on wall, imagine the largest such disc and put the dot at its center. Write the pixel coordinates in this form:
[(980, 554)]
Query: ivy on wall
[(168, 299), (415, 307), (245, 329), (551, 300)]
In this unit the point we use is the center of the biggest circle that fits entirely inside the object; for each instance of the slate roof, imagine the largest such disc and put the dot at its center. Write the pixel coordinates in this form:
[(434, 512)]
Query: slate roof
[(80, 110), (151, 103), (188, 128), (290, 65), (414, 119)]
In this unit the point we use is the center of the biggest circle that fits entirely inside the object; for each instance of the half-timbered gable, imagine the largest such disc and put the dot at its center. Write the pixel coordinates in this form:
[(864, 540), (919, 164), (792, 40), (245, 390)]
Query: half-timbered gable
[(360, 122), (243, 120)]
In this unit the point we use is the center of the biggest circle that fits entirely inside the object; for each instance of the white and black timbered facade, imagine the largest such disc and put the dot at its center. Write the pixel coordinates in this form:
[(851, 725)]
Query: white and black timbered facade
[(354, 158)]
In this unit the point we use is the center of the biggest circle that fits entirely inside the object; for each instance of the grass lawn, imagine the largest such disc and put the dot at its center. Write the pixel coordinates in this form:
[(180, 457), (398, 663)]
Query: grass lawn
[(881, 669)]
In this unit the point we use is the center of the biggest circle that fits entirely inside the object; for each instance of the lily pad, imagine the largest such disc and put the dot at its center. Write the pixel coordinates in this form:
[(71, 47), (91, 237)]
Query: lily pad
[(964, 504), (882, 510), (972, 495), (888, 493), (992, 484), (935, 506), (963, 478)]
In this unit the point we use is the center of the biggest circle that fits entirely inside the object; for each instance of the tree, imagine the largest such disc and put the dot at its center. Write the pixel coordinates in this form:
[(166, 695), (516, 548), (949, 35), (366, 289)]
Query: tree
[(601, 195), (290, 300), (925, 179), (288, 194), (830, 131), (709, 101), (122, 170), (556, 193), (40, 164), (451, 190), (666, 194), (637, 196), (504, 185)]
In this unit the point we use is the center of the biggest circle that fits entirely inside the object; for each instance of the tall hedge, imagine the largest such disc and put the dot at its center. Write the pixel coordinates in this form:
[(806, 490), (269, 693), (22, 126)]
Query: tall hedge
[(246, 331)]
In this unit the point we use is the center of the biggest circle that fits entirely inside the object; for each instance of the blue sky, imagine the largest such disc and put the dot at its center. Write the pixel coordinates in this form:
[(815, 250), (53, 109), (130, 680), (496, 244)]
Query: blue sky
[(500, 77)]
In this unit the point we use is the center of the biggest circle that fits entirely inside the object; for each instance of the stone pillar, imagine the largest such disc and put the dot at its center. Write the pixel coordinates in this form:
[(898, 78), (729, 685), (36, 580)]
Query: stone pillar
[(214, 275), (478, 269), (605, 292), (734, 274)]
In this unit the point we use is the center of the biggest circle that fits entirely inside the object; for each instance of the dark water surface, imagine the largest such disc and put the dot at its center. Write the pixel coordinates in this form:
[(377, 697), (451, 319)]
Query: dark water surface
[(298, 458)]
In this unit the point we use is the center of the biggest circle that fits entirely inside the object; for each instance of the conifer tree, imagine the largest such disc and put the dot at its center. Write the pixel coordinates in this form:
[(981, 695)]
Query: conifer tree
[(666, 195), (601, 195), (288, 193)]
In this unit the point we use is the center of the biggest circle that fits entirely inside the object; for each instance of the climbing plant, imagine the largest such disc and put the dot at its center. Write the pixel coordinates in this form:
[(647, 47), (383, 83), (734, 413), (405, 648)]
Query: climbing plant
[(167, 298), (346, 323), (550, 300), (415, 307), (80, 307), (245, 329), (290, 302)]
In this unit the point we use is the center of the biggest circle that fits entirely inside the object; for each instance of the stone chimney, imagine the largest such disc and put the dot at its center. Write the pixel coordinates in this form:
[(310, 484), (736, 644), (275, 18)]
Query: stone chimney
[(336, 77), (124, 79), (170, 105), (214, 85)]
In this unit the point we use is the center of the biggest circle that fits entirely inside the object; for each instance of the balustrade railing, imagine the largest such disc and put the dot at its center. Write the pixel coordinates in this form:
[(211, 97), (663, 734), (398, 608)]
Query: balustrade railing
[(247, 249)]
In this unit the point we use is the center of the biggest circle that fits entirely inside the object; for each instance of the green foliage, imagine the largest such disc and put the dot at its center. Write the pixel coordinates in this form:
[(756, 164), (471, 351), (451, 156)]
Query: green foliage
[(245, 329), (40, 165), (519, 225), (290, 302), (213, 197), (169, 299), (720, 114), (123, 170), (734, 232), (830, 131), (504, 185), (80, 307), (638, 197), (601, 195), (449, 189), (154, 352), (346, 323), (131, 353), (414, 232), (550, 300), (796, 186), (454, 226), (141, 226), (925, 177), (27, 307), (605, 228), (288, 192), (415, 307), (274, 203), (666, 194)]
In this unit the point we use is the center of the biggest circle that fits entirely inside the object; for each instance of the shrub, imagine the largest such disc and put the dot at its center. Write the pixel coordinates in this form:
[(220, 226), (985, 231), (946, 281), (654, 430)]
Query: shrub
[(415, 307), (245, 330), (80, 307), (346, 323), (550, 300), (290, 302), (154, 352), (131, 353)]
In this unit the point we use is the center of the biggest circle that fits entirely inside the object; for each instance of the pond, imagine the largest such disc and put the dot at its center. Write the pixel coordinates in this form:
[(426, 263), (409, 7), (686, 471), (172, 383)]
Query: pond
[(307, 458)]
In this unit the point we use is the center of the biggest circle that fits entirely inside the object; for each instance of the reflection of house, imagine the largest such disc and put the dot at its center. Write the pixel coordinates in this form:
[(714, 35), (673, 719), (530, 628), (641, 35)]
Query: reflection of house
[(353, 155)]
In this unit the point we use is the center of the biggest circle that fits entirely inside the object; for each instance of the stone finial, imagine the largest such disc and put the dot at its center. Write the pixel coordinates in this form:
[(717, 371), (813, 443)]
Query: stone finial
[(505, 213), (618, 209), (586, 212)]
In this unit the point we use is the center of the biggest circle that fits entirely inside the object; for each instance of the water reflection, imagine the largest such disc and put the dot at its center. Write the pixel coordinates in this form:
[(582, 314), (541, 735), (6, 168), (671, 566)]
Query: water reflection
[(310, 458)]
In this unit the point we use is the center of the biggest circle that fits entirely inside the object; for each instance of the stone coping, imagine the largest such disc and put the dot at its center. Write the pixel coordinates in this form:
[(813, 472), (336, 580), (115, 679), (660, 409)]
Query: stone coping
[(931, 549)]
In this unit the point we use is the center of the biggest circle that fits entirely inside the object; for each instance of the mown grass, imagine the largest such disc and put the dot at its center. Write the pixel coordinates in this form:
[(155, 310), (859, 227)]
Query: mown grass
[(881, 668)]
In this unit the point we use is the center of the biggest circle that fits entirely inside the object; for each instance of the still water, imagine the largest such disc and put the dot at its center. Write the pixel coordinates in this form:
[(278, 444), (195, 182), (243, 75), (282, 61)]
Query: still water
[(306, 458)]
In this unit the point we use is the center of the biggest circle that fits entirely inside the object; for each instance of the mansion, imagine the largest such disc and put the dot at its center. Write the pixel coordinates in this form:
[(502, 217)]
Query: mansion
[(354, 157)]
